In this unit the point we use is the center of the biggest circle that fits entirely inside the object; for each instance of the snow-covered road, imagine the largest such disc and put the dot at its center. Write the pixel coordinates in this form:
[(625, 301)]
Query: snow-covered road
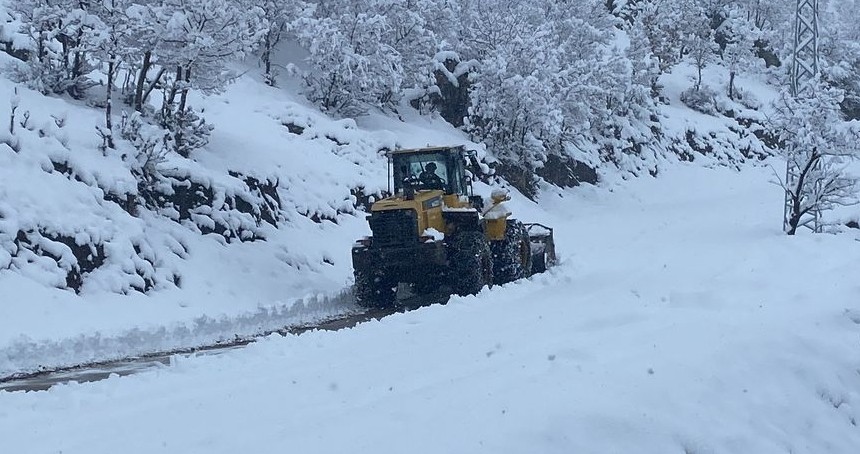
[(681, 319)]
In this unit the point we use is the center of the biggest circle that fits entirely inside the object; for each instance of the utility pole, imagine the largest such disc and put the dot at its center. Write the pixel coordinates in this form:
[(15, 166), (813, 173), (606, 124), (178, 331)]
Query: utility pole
[(804, 71)]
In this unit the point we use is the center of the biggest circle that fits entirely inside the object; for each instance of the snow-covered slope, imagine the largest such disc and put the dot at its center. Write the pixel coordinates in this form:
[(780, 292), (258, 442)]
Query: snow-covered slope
[(276, 170), (680, 319), (64, 225)]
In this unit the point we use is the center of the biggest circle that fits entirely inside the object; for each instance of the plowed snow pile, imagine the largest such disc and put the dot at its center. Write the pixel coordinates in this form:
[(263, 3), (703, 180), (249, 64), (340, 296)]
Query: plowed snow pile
[(680, 320)]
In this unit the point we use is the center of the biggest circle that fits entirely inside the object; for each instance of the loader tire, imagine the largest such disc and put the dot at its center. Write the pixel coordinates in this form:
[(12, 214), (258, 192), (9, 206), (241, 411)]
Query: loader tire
[(543, 254), (471, 263), (539, 262), (512, 256), (374, 290)]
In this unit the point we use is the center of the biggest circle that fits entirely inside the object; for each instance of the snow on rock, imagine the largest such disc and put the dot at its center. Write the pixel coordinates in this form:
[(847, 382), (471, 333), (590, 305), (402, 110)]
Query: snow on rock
[(734, 134)]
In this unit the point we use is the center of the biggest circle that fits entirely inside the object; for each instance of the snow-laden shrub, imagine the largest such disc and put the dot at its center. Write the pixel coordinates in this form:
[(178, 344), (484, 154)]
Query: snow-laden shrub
[(234, 210), (48, 78), (747, 98), (702, 100), (12, 37), (150, 150), (187, 131), (170, 188)]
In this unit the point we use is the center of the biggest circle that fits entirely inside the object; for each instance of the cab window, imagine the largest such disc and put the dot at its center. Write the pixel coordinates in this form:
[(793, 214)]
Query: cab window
[(421, 172)]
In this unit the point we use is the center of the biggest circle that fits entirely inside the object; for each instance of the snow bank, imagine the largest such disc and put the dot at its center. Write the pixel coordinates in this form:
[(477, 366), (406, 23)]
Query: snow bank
[(24, 354)]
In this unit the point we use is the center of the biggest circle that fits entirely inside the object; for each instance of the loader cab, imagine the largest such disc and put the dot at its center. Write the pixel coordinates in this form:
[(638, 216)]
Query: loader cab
[(428, 169)]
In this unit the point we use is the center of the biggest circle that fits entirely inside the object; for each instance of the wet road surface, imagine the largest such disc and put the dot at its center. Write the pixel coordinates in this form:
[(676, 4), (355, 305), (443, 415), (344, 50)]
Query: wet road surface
[(41, 381)]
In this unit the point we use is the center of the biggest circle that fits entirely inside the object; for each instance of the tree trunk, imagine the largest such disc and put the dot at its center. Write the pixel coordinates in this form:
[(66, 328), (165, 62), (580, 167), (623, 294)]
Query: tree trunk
[(175, 88), (12, 118), (126, 82), (170, 96), (64, 42), (179, 135), (794, 216), (41, 49), (699, 80), (152, 86), (109, 102), (183, 98), (141, 81), (267, 60), (732, 85), (78, 67), (797, 211)]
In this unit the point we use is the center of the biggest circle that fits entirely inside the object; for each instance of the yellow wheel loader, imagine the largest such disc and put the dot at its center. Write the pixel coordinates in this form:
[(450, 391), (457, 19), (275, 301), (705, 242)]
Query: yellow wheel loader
[(436, 235)]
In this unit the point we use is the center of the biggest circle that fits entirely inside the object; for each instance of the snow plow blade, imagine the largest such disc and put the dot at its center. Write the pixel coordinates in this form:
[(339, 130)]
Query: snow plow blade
[(543, 247)]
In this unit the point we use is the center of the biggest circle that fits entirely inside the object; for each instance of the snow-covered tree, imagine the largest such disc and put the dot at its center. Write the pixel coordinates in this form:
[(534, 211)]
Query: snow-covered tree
[(143, 46), (738, 36), (280, 16), (198, 40), (662, 21), (701, 49), (201, 37), (420, 29), (767, 14), (629, 122), (819, 144), (376, 53), (840, 53), (110, 50), (555, 88), (773, 21), (352, 62), (512, 95), (63, 33)]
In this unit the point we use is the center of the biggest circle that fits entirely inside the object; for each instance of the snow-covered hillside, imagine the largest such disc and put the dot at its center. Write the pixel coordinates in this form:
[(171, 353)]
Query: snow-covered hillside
[(146, 246), (681, 319), (63, 219), (276, 174)]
